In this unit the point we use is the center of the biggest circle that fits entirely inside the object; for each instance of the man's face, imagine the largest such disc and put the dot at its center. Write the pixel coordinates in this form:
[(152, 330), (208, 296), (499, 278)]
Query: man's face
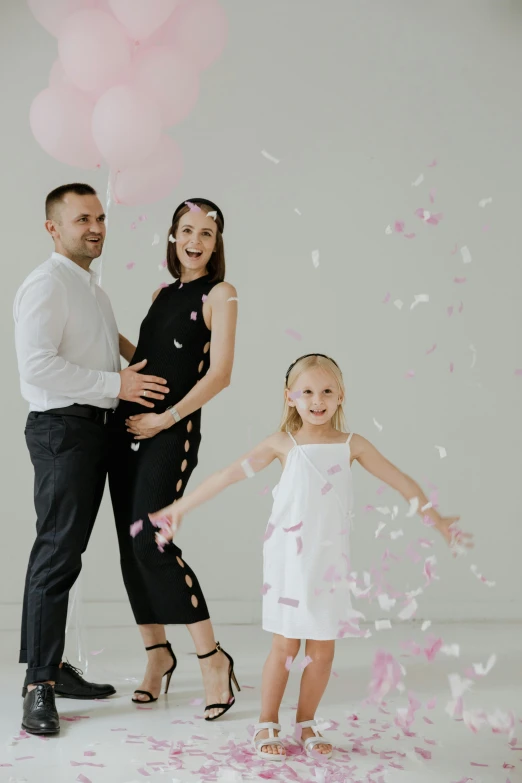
[(78, 228)]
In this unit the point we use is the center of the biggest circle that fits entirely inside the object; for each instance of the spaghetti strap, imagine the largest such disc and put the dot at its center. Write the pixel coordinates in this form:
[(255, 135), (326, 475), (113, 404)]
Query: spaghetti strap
[(349, 438), (292, 438)]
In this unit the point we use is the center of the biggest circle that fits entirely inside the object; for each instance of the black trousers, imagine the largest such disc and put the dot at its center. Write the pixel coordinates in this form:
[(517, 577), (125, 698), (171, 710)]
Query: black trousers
[(69, 455)]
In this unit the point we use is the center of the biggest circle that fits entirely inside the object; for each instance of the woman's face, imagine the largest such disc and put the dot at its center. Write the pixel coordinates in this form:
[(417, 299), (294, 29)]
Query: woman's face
[(316, 395), (195, 239)]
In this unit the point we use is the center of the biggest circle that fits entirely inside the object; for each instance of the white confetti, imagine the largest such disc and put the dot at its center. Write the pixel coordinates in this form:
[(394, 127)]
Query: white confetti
[(466, 255), (427, 506), (482, 578), (483, 670), (382, 625), (385, 602), (383, 510), (408, 611), (315, 258), (171, 238), (442, 451), (212, 214), (395, 512), (379, 426), (425, 625), (485, 201), (419, 298), (398, 304), (232, 299), (381, 527), (452, 650), (297, 211), (178, 345), (395, 534), (418, 181), (474, 352), (248, 469), (135, 446), (267, 155), (388, 230), (156, 240), (414, 507)]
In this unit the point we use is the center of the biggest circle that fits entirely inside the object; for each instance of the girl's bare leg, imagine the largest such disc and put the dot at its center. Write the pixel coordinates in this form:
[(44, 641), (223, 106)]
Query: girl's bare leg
[(275, 677), (313, 685)]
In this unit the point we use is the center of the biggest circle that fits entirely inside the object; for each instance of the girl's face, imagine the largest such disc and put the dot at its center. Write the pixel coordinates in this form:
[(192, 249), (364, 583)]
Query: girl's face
[(195, 240), (316, 395)]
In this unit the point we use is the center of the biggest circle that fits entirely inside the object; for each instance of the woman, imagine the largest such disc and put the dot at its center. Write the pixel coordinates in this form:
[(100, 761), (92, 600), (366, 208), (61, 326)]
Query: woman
[(187, 338)]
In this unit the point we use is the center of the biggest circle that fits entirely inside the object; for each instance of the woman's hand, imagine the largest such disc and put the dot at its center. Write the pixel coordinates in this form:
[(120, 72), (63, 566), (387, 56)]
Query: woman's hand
[(168, 520), (146, 425), (457, 541)]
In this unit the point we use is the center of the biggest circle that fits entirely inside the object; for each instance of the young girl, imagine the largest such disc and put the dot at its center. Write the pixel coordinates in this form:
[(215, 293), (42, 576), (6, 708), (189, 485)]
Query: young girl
[(306, 549)]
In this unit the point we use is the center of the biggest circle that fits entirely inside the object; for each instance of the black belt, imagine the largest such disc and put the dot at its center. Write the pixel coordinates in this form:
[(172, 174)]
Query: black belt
[(100, 415)]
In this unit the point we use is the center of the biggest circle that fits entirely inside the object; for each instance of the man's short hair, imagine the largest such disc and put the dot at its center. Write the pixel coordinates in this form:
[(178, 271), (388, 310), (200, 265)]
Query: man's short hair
[(57, 195)]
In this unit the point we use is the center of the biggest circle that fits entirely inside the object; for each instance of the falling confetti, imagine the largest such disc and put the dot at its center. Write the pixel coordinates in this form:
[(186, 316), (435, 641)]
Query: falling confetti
[(379, 426), (135, 446), (315, 258), (171, 238), (442, 451), (466, 255), (289, 602), (294, 334), (419, 298), (485, 201), (212, 214), (267, 155), (398, 304), (177, 345), (297, 211), (156, 240), (430, 350), (131, 265), (136, 528), (418, 181)]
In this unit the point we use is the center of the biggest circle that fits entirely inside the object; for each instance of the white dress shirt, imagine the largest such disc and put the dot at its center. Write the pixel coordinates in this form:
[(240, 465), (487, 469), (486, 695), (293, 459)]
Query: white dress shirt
[(66, 338)]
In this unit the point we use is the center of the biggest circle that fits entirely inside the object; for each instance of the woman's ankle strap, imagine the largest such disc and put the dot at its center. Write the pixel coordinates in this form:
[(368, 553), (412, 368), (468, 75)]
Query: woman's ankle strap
[(155, 646), (213, 652)]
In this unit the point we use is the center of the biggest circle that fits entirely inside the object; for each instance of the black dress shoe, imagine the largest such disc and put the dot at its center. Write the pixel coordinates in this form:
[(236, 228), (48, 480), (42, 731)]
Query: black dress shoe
[(71, 685), (40, 714)]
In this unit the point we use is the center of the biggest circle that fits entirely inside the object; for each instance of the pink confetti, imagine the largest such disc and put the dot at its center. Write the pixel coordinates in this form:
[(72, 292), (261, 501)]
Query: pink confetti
[(409, 236), (476, 764), (451, 367), (293, 529), (131, 265), (196, 702), (294, 334), (431, 704), (265, 490), (142, 218), (95, 652), (399, 226), (89, 753), (299, 541), (518, 372), (450, 310), (288, 663), (164, 263), (426, 754), (144, 772), (266, 587), (430, 350), (269, 530), (193, 207), (164, 285), (459, 279), (289, 602), (432, 195), (193, 315), (304, 663), (203, 298), (432, 164), (133, 226), (82, 779), (334, 469), (327, 487), (386, 298), (136, 528), (410, 374)]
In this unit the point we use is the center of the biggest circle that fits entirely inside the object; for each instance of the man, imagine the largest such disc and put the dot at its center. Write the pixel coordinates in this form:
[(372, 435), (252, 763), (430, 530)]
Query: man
[(67, 345)]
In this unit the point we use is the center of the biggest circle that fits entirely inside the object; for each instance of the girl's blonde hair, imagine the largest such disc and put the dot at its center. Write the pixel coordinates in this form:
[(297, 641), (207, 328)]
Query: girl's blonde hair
[(291, 420)]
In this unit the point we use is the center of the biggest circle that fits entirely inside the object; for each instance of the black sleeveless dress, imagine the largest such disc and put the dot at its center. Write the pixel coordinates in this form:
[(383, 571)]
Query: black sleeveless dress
[(175, 340)]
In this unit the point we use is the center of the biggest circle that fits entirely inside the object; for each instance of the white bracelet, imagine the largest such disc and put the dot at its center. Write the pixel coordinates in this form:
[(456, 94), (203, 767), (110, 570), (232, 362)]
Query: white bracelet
[(173, 412)]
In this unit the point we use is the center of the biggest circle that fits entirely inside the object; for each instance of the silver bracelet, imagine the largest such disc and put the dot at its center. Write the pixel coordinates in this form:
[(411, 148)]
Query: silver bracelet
[(173, 412)]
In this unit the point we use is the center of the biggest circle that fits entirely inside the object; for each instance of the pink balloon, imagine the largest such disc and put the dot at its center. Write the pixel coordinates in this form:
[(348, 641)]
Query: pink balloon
[(52, 13), (197, 30), (126, 125), (94, 50), (163, 74), (141, 17), (60, 119), (151, 180), (57, 76)]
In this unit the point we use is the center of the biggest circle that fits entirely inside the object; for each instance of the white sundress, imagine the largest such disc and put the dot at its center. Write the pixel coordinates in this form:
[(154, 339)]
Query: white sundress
[(306, 587)]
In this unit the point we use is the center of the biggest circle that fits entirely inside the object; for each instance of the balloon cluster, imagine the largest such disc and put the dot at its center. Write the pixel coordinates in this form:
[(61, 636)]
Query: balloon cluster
[(127, 70)]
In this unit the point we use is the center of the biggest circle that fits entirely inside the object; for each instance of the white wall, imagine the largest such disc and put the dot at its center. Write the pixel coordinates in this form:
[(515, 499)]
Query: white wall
[(355, 98)]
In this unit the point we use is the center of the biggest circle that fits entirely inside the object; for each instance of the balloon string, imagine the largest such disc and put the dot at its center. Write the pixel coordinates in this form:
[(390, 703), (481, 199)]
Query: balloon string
[(108, 199)]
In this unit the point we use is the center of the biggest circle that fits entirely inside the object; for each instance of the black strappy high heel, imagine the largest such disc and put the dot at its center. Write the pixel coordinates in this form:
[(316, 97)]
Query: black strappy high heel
[(168, 675), (231, 679)]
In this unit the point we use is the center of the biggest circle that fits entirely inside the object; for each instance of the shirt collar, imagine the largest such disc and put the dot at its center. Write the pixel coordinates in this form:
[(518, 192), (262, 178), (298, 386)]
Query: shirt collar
[(87, 275)]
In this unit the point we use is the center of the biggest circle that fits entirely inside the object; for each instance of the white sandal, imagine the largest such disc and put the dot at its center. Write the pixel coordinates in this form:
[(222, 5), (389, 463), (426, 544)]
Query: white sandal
[(270, 740), (310, 743)]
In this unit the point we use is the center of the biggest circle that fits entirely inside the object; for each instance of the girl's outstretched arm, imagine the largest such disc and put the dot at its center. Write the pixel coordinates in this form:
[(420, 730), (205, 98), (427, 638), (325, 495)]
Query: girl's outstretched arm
[(375, 463), (244, 467)]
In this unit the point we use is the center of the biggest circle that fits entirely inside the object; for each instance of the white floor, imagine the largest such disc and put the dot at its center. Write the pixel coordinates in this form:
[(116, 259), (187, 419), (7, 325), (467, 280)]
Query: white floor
[(116, 741)]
